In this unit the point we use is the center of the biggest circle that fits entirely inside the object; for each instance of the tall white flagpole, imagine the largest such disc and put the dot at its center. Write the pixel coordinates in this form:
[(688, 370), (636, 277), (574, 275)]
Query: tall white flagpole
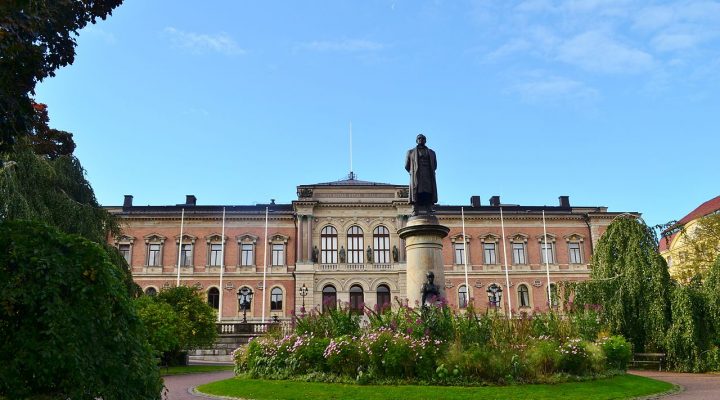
[(467, 285), (222, 266), (547, 263), (265, 264), (351, 155), (182, 221), (508, 295)]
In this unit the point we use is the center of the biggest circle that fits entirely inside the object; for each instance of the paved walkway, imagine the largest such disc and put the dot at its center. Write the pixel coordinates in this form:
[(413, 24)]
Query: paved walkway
[(178, 385), (694, 386)]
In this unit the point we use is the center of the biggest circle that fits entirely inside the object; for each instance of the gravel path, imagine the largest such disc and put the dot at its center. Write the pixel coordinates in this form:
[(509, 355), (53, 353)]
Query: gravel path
[(694, 386), (178, 385)]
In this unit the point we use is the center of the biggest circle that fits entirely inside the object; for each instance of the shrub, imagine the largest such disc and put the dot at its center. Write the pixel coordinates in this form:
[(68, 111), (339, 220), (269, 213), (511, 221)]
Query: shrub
[(330, 323), (68, 326), (617, 350), (543, 356), (344, 356), (574, 357)]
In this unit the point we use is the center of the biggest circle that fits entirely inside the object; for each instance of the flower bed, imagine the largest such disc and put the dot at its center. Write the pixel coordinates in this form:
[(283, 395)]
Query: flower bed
[(437, 345)]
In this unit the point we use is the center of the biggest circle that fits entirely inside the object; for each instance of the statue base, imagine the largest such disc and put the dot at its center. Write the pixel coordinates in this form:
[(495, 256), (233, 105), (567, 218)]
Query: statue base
[(423, 236)]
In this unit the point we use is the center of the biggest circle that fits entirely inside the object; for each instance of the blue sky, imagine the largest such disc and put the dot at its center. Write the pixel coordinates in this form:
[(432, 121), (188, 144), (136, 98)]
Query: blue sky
[(614, 103)]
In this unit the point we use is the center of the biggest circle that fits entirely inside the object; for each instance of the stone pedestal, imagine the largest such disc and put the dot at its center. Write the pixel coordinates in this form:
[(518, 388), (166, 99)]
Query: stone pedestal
[(423, 237)]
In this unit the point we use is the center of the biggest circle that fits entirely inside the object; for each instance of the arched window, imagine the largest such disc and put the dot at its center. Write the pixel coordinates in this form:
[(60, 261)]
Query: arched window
[(150, 291), (523, 296), (383, 297), (462, 296), (329, 297), (214, 298), (355, 245), (276, 298), (381, 243), (328, 245), (357, 299)]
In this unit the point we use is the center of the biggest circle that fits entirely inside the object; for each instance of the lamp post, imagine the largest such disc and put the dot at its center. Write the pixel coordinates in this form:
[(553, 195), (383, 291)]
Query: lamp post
[(303, 293), (494, 293), (245, 295)]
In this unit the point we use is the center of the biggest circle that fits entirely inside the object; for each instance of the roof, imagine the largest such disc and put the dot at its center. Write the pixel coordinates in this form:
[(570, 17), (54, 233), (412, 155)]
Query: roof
[(702, 210), (351, 181)]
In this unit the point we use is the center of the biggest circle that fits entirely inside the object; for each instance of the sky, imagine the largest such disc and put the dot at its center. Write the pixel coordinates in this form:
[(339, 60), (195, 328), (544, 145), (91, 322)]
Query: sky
[(614, 103)]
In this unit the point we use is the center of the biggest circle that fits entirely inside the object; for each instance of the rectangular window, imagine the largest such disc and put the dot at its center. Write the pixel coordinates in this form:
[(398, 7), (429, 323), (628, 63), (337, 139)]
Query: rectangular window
[(278, 254), (546, 251), (246, 255), (125, 251), (489, 252), (153, 255), (575, 257), (216, 255), (518, 253), (186, 255), (459, 253)]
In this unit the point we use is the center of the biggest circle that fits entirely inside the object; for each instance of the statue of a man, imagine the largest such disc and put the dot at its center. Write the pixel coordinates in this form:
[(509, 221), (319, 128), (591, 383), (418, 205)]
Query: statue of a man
[(430, 291), (421, 163)]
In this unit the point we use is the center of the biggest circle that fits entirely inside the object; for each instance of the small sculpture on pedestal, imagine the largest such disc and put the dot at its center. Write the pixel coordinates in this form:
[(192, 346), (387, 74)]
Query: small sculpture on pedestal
[(430, 291)]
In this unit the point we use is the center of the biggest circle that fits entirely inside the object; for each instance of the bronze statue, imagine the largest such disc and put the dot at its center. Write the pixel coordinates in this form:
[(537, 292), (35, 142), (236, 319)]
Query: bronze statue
[(430, 290), (315, 253), (421, 163), (341, 253)]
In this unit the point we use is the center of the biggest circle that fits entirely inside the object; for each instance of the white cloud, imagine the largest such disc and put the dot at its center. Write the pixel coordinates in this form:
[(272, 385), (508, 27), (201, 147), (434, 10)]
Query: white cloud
[(673, 42), (508, 49), (553, 89), (345, 45), (597, 52), (202, 42)]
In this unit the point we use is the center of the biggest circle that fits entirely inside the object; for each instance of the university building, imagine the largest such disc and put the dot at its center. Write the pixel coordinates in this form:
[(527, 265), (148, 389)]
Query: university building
[(338, 242)]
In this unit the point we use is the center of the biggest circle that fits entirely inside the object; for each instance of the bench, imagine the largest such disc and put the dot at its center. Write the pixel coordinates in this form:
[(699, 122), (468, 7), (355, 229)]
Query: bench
[(648, 359)]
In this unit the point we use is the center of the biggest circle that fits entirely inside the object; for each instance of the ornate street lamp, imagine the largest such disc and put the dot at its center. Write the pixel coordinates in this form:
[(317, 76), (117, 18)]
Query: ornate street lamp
[(245, 295), (303, 293), (494, 293)]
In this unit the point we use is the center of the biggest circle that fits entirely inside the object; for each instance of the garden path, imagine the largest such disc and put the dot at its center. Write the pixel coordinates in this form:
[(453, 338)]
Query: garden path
[(694, 386), (179, 385)]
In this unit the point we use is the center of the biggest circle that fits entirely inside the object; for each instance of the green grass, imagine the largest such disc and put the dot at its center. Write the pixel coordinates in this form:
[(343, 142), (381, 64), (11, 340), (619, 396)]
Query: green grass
[(194, 369), (618, 387)]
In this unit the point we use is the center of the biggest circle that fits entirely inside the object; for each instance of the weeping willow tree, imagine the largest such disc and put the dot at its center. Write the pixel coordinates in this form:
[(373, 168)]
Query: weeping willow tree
[(711, 291), (630, 281)]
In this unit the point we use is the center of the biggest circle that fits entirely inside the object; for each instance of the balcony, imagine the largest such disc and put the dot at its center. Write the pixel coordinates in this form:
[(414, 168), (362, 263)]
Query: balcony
[(355, 267)]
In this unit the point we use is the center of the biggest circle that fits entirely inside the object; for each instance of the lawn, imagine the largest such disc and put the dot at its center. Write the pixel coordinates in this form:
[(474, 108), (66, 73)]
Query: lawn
[(618, 387), (194, 369)]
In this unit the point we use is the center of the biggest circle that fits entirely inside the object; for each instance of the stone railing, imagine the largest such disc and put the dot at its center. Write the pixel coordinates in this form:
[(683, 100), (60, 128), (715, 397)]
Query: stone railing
[(355, 267), (251, 328)]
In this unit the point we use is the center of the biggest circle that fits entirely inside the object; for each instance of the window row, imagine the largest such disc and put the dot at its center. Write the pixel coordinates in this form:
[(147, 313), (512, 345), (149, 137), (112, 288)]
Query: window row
[(213, 297), (155, 249), (494, 294), (356, 253), (357, 298), (518, 248)]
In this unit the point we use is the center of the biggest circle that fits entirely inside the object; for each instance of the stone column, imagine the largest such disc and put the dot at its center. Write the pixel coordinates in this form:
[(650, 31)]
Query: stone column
[(423, 237)]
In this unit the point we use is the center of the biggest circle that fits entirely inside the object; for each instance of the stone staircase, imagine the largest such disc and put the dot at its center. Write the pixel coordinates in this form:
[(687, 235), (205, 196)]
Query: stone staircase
[(231, 336)]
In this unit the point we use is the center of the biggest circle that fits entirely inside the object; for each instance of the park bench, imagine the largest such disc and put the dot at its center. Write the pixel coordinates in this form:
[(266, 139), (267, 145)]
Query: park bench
[(648, 359)]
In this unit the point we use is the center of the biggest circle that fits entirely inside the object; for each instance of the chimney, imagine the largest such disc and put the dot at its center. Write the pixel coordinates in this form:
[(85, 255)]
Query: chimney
[(495, 201), (190, 200), (564, 201), (475, 201), (128, 201)]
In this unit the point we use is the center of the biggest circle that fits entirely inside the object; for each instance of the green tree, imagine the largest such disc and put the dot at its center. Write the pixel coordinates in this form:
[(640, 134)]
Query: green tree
[(36, 38), (68, 327), (711, 291), (688, 339), (631, 282), (161, 322), (195, 318)]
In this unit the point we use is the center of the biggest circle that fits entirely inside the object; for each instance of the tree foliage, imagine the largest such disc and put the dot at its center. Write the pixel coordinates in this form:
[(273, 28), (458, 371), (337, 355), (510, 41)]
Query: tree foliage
[(711, 292), (68, 326), (631, 282), (161, 322), (687, 340), (37, 38), (195, 318)]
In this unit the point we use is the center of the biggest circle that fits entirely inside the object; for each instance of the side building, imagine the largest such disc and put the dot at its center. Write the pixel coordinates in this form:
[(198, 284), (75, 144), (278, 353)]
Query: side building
[(338, 242)]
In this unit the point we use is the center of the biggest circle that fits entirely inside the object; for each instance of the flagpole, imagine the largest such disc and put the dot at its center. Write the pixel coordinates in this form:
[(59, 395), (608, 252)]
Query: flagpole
[(265, 264), (507, 276), (182, 221), (547, 263), (222, 266), (467, 285)]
